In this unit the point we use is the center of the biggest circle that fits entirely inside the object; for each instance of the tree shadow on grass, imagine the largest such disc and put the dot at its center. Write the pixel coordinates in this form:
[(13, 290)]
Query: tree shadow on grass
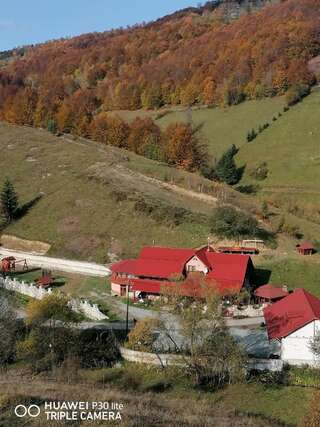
[(25, 208), (21, 272), (261, 276)]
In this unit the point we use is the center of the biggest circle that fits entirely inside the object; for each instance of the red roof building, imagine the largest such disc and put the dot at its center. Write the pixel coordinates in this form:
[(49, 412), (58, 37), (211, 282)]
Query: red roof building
[(270, 292), (159, 266), (295, 322), (306, 248), (291, 313)]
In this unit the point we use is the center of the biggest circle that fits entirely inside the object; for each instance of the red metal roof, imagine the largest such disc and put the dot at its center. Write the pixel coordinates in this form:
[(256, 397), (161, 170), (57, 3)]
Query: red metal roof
[(158, 268), (150, 286), (126, 266), (270, 292), (228, 271), (149, 268), (45, 281), (228, 266), (291, 313), (306, 246)]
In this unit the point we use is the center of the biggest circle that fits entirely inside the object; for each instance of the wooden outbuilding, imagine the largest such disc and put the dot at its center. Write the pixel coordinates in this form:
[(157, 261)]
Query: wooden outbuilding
[(306, 248), (270, 293)]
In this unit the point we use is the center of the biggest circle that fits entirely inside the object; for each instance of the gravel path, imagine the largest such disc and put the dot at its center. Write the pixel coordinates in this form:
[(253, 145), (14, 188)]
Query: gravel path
[(60, 264)]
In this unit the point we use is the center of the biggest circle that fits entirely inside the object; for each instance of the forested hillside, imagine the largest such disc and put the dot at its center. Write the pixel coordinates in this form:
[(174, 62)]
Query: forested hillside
[(185, 59)]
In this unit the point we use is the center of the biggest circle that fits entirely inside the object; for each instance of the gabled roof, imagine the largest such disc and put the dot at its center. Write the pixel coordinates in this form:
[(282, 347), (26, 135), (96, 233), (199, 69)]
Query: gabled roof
[(291, 313), (228, 266), (149, 268), (306, 245), (270, 292), (228, 271), (150, 286), (158, 268), (125, 266), (163, 253)]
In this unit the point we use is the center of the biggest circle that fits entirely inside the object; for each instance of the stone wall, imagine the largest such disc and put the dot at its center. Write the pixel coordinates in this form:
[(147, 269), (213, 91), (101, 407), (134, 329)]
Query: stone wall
[(85, 307), (152, 358), (173, 359), (89, 310), (24, 288)]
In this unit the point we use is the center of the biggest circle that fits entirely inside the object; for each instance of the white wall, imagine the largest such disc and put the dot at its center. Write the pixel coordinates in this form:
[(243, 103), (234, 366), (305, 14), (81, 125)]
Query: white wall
[(85, 307), (197, 264), (178, 360), (115, 289), (295, 349)]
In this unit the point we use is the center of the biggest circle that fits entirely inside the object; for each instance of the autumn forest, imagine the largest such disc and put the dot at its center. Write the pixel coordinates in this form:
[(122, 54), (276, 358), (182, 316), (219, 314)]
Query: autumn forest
[(71, 85)]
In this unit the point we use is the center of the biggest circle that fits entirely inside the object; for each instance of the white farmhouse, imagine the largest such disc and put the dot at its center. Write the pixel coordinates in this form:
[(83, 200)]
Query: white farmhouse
[(294, 321)]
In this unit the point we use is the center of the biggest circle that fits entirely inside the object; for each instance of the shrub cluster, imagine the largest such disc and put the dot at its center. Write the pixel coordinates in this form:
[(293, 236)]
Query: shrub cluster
[(259, 172), (296, 93), (161, 212)]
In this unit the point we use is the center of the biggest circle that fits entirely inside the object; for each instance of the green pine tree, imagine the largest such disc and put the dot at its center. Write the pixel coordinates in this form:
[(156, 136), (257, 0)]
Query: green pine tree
[(52, 126), (9, 201), (226, 169), (265, 210)]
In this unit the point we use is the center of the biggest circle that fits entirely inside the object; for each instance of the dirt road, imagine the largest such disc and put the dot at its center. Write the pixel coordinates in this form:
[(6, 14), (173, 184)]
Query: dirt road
[(60, 264)]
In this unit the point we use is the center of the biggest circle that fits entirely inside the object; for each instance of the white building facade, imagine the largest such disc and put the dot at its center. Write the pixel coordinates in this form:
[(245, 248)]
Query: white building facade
[(295, 348)]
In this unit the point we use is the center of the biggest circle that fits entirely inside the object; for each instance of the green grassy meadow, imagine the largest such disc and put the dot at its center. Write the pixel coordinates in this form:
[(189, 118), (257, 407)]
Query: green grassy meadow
[(295, 271), (221, 127), (291, 147), (89, 195)]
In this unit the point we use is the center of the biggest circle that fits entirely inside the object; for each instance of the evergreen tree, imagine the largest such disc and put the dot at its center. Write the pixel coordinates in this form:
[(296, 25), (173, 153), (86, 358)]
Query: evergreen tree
[(251, 135), (9, 201), (52, 126), (226, 169), (265, 210), (230, 223)]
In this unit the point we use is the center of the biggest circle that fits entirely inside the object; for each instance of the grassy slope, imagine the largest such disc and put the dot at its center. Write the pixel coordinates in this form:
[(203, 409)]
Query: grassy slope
[(221, 127), (291, 147), (179, 405), (295, 271), (81, 214)]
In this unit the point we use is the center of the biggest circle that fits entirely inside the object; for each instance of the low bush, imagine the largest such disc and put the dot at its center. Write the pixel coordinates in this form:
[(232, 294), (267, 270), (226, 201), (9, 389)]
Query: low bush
[(156, 385), (252, 134), (247, 189), (142, 336), (163, 213), (259, 172), (268, 377), (304, 376), (296, 93)]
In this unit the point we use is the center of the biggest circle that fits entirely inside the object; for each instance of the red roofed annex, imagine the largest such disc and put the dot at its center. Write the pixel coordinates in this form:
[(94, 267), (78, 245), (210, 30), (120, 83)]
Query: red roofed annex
[(295, 321), (291, 313), (159, 267)]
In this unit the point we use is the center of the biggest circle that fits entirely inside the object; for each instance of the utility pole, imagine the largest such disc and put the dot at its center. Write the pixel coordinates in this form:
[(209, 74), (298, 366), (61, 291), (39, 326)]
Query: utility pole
[(127, 314)]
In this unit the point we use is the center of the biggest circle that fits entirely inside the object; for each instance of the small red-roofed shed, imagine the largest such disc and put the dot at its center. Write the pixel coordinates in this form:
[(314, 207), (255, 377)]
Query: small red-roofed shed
[(270, 293), (306, 248)]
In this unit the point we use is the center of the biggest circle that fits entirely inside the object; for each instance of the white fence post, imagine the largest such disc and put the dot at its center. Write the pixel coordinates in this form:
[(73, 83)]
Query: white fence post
[(85, 307)]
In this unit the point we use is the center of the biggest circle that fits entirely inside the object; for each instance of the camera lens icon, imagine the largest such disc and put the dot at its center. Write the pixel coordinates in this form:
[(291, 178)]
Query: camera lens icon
[(32, 411)]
